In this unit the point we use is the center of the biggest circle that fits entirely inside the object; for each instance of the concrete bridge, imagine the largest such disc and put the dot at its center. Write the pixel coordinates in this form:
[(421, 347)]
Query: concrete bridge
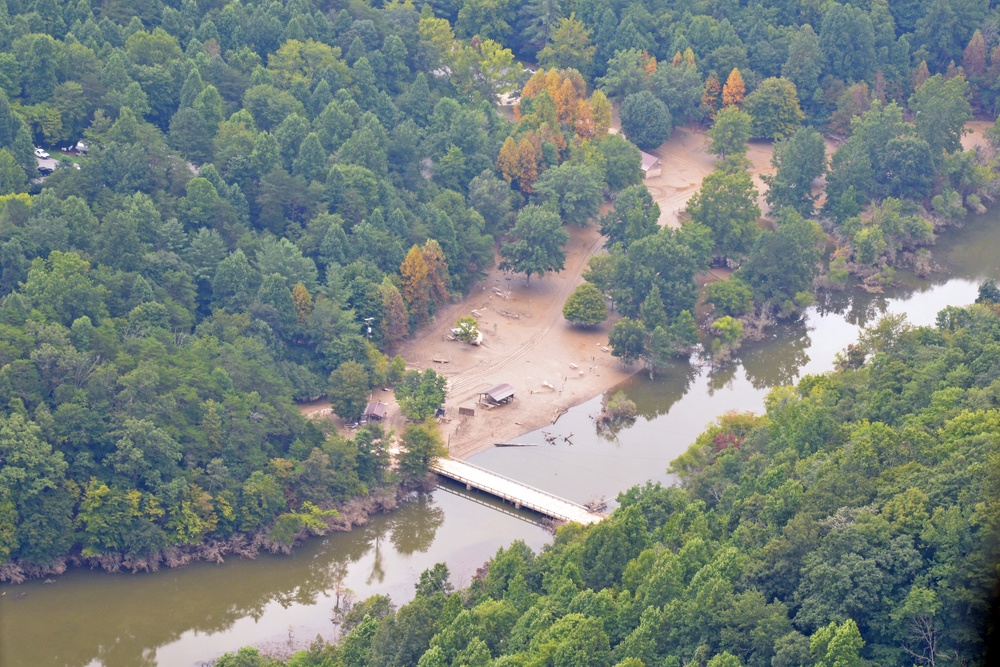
[(513, 491)]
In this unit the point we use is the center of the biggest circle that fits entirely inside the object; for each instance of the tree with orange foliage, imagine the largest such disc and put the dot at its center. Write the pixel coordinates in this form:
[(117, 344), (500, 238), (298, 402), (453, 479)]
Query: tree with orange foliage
[(583, 125), (650, 65), (565, 87), (437, 272), (414, 275), (710, 98), (528, 156), (566, 100), (734, 90)]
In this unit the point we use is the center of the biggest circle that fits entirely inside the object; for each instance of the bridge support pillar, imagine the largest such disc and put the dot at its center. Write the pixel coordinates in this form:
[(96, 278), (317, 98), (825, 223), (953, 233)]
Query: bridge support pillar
[(468, 487), (517, 506)]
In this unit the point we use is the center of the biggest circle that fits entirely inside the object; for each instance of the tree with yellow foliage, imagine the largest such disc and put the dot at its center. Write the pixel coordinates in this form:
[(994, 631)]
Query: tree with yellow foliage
[(507, 159), (437, 272), (566, 100), (600, 108), (303, 302), (414, 275), (528, 156), (583, 126)]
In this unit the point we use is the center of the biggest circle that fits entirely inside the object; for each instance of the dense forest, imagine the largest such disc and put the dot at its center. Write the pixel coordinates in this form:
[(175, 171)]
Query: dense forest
[(855, 522), (253, 202)]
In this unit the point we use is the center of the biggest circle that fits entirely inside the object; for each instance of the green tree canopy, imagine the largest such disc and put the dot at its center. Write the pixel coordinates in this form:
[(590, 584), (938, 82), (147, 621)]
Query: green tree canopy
[(421, 444), (348, 390), (585, 306), (730, 132), (536, 243), (646, 120), (783, 263), (421, 394), (727, 205), (774, 107), (800, 160)]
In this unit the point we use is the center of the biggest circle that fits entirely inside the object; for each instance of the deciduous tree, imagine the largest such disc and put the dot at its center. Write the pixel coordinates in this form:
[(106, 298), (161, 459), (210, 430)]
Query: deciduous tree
[(734, 90), (536, 243), (348, 390), (799, 161), (627, 340), (727, 204), (730, 132), (420, 445), (415, 276), (774, 107), (586, 306), (646, 120), (570, 46)]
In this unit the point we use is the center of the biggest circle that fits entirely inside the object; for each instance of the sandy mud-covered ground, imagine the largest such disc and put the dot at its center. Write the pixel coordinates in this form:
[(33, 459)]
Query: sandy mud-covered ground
[(526, 341)]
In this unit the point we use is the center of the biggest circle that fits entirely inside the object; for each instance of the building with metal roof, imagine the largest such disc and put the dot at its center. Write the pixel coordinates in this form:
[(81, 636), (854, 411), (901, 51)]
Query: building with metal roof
[(498, 395)]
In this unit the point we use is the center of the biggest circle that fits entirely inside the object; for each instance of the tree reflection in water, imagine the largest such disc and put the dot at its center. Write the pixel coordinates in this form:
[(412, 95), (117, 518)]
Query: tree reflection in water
[(415, 531), (858, 307), (142, 613), (654, 398), (777, 360)]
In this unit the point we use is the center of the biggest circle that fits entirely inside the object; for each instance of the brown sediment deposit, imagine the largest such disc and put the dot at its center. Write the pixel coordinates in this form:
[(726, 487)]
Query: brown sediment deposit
[(527, 343)]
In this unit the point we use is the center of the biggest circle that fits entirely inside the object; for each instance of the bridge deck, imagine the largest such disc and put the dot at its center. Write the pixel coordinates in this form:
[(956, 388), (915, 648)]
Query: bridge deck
[(513, 491)]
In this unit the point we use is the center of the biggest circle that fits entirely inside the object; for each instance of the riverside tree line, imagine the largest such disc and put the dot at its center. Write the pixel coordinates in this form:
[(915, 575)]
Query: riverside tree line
[(855, 522)]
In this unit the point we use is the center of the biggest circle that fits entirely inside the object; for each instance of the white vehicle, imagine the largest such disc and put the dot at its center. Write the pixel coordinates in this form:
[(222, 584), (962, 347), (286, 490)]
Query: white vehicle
[(478, 340), (41, 153)]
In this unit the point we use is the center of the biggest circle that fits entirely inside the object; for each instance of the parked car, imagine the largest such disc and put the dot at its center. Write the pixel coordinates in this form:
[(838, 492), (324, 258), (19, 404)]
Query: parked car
[(41, 153)]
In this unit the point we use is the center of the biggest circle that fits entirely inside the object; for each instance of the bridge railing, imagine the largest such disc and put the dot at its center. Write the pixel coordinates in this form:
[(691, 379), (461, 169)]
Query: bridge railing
[(506, 495)]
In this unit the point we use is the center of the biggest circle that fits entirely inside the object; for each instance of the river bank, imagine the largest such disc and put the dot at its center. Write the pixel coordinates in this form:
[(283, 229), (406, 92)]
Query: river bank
[(552, 365)]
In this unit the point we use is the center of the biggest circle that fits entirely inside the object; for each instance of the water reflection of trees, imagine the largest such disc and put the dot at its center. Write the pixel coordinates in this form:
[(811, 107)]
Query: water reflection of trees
[(151, 611), (415, 531), (777, 360), (721, 377), (856, 306), (655, 397)]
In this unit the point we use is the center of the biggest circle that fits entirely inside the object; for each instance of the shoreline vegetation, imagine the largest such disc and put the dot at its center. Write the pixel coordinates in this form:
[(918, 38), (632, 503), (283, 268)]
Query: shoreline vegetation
[(856, 519), (350, 514), (263, 203)]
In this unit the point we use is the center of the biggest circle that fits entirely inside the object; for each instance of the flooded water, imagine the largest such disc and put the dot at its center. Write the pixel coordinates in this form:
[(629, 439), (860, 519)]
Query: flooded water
[(192, 615)]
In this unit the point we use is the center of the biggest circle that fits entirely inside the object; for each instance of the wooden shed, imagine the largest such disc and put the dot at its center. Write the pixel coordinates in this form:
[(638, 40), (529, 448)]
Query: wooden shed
[(498, 395), (376, 411)]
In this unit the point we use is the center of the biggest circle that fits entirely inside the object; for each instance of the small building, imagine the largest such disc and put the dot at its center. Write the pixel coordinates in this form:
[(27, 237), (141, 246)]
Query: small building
[(376, 411), (650, 165), (498, 395)]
